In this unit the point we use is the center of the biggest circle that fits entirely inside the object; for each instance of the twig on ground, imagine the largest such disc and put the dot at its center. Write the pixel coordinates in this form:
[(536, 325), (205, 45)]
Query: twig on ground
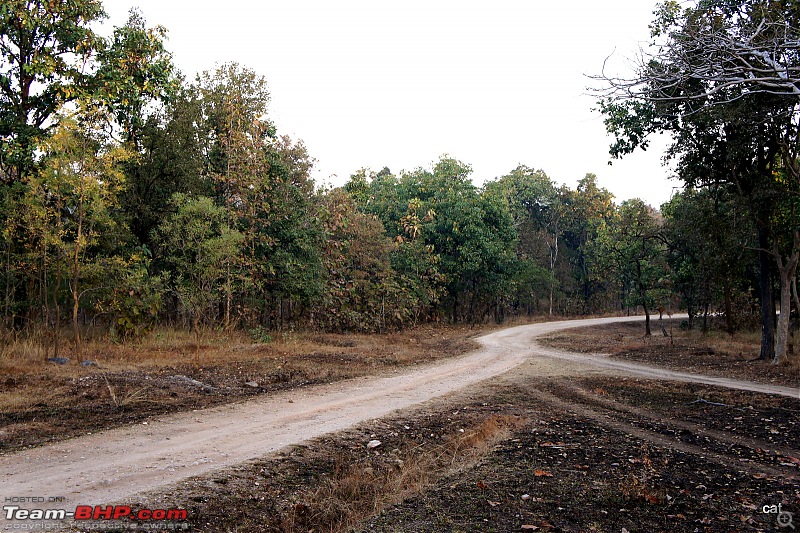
[(701, 400)]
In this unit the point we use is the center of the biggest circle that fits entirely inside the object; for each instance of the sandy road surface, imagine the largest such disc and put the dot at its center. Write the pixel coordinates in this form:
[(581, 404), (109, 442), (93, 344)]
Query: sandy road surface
[(114, 465)]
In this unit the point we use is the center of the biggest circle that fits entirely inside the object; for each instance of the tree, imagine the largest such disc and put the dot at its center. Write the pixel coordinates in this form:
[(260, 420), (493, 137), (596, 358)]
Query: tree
[(200, 248), (706, 231), (80, 181), (538, 210), (724, 79), (134, 69), (44, 48), (53, 65), (467, 233), (287, 234), (359, 284), (234, 105), (587, 209), (169, 160), (632, 247)]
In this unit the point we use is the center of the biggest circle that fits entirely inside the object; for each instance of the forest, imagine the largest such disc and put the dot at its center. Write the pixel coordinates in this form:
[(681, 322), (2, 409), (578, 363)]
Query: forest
[(133, 198)]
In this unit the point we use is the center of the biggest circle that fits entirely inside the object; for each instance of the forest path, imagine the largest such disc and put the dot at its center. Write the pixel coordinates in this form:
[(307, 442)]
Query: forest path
[(114, 465)]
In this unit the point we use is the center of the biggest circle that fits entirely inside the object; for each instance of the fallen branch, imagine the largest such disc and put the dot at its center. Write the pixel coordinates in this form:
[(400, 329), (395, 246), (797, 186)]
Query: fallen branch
[(701, 400)]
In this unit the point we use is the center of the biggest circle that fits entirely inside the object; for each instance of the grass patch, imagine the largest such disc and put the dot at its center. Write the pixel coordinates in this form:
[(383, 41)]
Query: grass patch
[(358, 490)]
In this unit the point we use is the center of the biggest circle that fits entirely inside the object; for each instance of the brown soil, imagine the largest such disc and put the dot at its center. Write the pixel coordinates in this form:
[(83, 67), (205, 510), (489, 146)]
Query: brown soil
[(582, 454)]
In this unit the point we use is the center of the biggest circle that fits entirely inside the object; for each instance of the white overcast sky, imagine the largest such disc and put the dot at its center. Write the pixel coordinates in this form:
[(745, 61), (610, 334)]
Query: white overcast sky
[(374, 83)]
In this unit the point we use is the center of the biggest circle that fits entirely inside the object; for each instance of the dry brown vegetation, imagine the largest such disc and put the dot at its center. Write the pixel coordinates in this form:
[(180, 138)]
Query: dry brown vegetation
[(523, 452), (172, 371), (358, 489)]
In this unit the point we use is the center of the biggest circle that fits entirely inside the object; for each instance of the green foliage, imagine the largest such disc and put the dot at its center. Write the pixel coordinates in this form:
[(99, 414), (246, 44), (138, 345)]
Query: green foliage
[(631, 123), (631, 247), (260, 334), (43, 47), (134, 69), (538, 210), (201, 251), (134, 302), (464, 238), (588, 209), (169, 161), (707, 232), (241, 237), (722, 80)]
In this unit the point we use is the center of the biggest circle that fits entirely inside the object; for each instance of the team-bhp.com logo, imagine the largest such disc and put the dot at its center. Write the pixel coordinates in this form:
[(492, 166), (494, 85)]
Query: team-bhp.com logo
[(97, 512)]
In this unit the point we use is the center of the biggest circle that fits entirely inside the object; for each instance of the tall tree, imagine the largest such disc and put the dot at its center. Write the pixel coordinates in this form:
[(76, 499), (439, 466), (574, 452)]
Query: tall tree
[(359, 285), (201, 249), (80, 181), (169, 159), (538, 210), (46, 49), (134, 70), (708, 233), (469, 232), (587, 209), (722, 77), (633, 249)]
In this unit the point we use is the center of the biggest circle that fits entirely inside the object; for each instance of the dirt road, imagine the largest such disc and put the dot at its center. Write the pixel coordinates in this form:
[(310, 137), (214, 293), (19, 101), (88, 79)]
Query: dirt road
[(117, 464)]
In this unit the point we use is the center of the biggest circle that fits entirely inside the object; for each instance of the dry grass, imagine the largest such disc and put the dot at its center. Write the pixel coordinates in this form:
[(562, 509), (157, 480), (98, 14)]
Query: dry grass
[(359, 490), (172, 370)]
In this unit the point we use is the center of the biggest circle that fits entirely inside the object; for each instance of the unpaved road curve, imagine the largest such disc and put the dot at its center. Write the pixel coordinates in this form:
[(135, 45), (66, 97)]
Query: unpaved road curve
[(114, 465)]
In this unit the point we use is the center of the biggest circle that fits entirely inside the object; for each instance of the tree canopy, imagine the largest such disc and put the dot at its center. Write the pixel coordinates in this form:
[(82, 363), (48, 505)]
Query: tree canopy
[(132, 197)]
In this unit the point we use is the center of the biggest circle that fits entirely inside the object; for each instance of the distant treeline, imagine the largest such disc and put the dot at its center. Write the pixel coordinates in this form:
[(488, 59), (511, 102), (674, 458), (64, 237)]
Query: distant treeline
[(131, 197)]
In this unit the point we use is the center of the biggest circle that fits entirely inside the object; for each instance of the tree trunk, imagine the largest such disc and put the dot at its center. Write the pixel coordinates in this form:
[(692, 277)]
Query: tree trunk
[(646, 320), (7, 303), (196, 323), (787, 270), (728, 307), (76, 272), (45, 299), (553, 260), (767, 299), (228, 291), (57, 308)]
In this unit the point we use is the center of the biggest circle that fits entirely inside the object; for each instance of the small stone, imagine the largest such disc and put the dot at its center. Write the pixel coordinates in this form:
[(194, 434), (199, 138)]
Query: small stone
[(253, 384), (373, 444), (58, 360), (88, 363), (526, 497)]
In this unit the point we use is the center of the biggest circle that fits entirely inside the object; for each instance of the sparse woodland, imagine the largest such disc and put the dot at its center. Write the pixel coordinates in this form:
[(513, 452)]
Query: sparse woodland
[(133, 198)]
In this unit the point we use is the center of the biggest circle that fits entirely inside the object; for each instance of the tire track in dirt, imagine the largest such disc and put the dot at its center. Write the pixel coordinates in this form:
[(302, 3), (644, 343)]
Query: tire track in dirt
[(637, 369), (657, 419), (626, 427), (114, 465)]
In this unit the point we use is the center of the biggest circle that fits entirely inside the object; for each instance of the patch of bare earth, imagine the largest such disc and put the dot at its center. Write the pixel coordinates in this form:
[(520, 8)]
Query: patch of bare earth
[(170, 372), (548, 447), (525, 453), (714, 353)]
